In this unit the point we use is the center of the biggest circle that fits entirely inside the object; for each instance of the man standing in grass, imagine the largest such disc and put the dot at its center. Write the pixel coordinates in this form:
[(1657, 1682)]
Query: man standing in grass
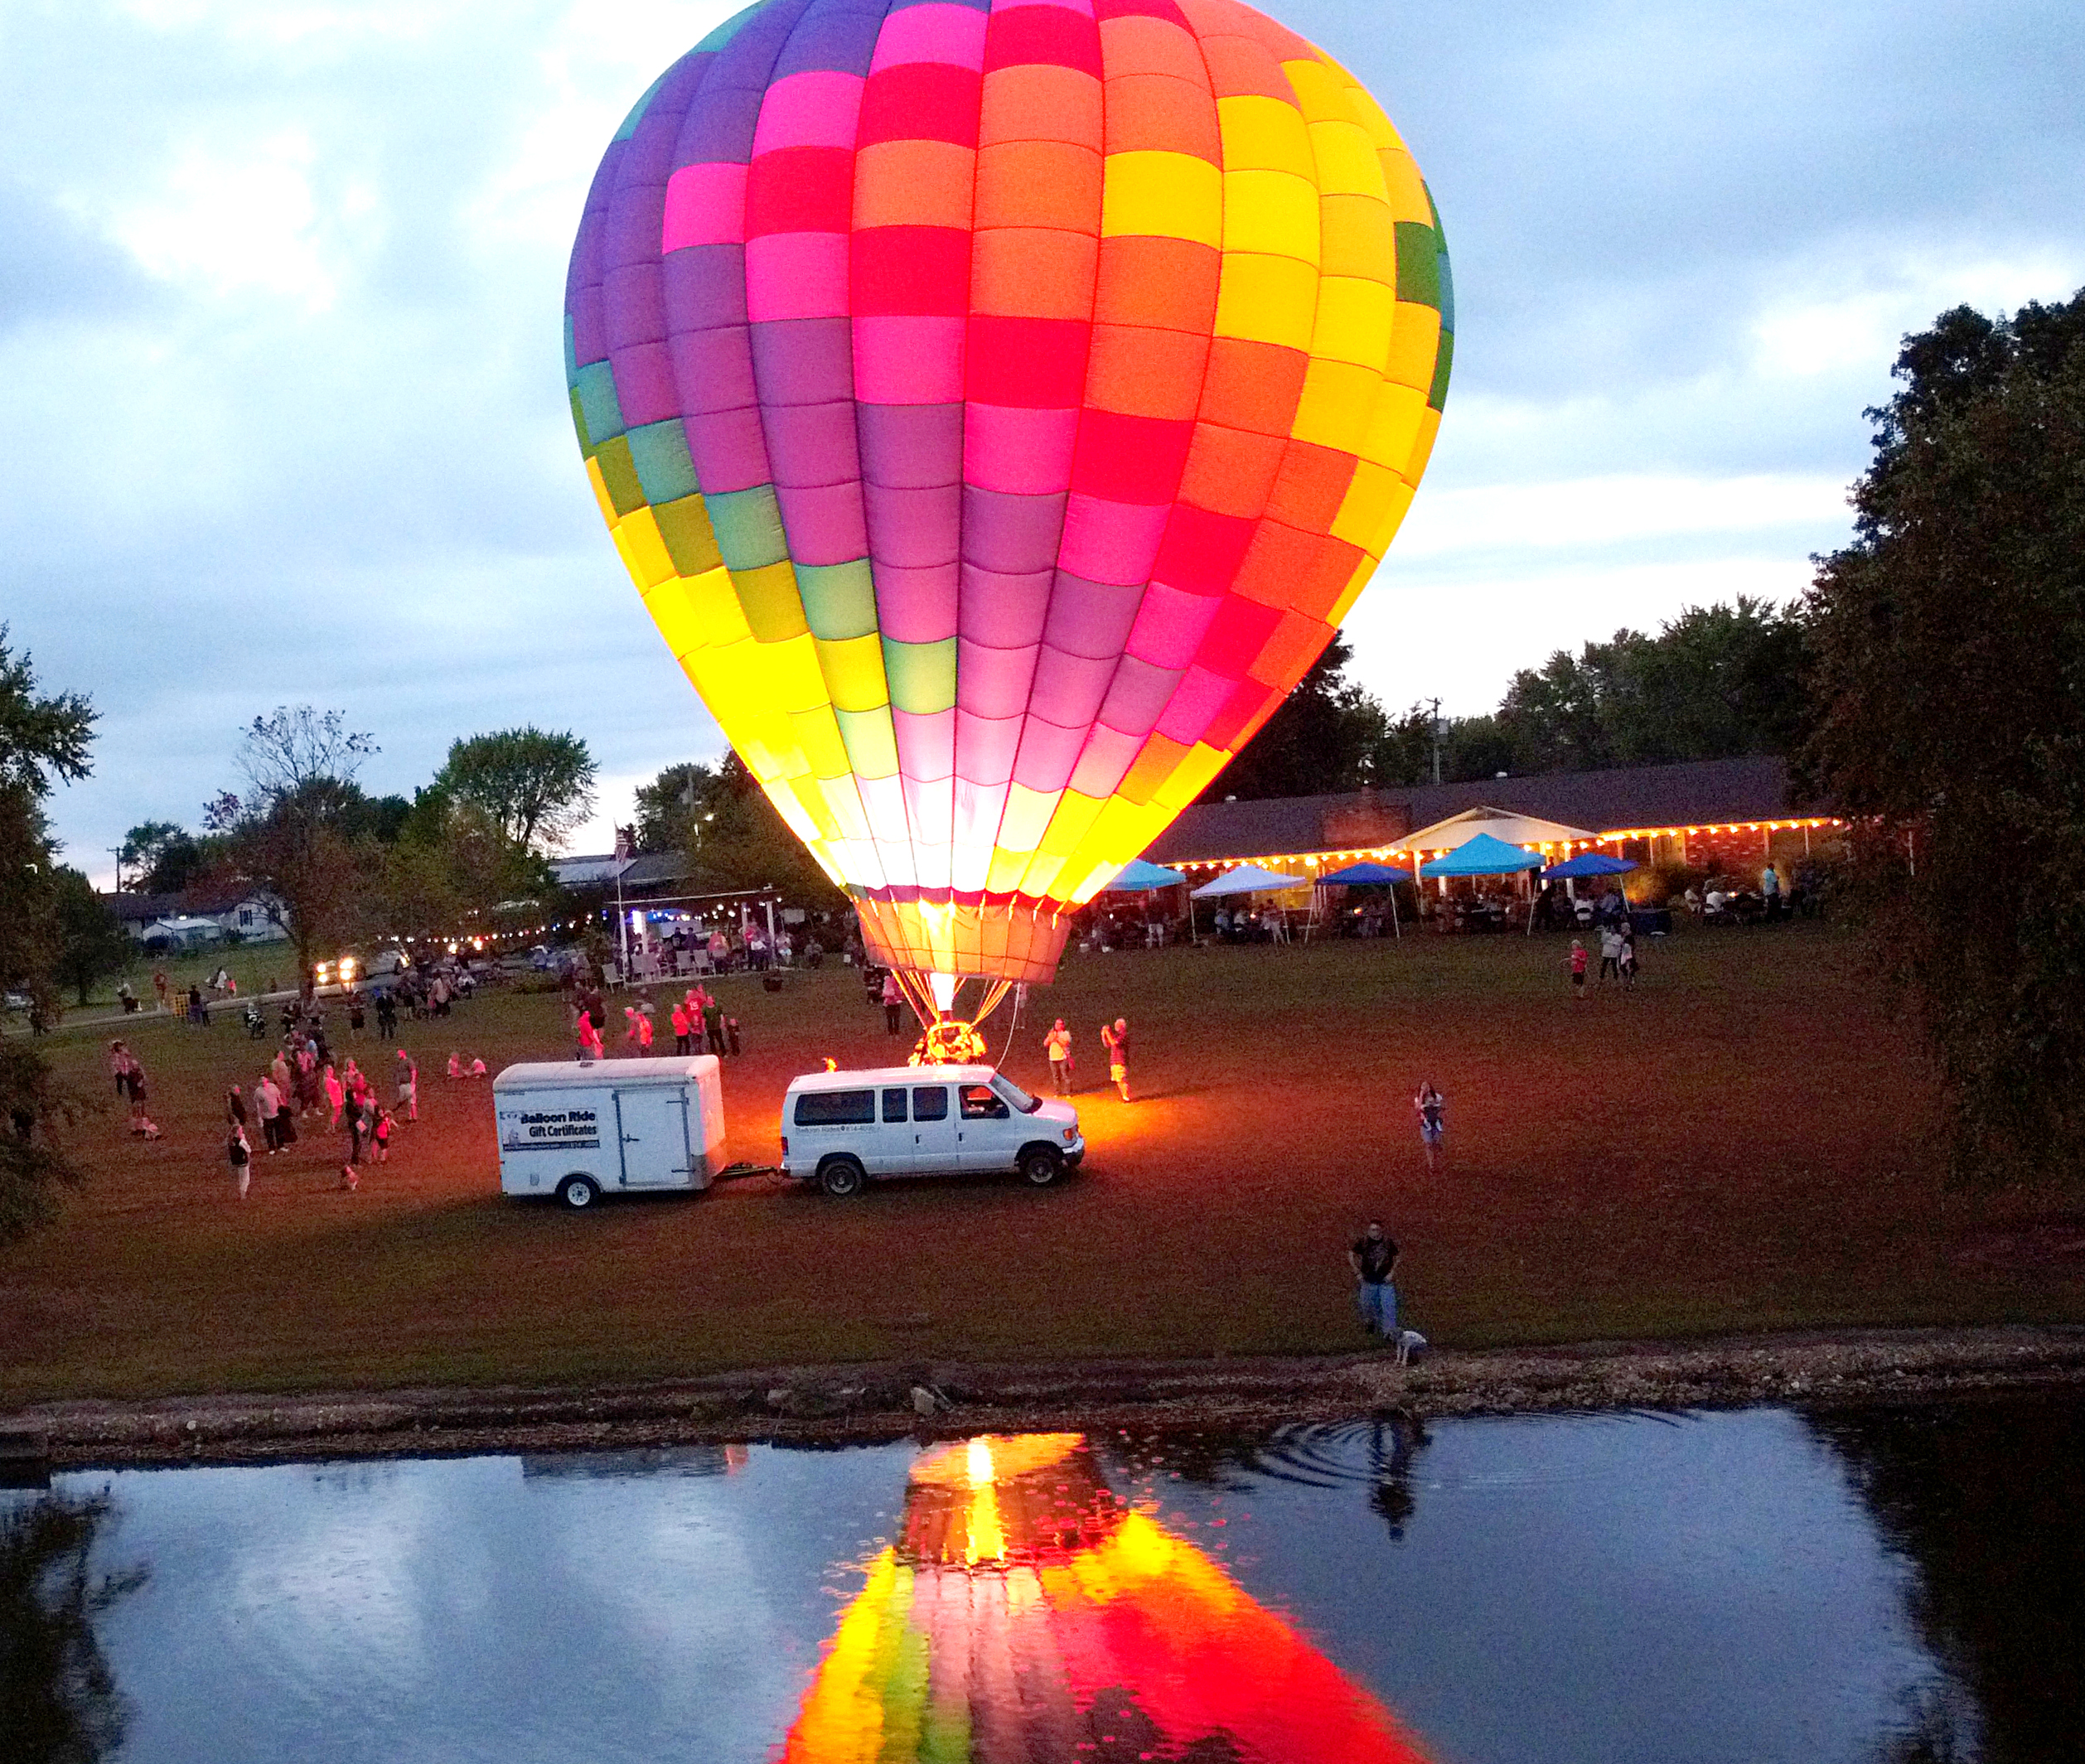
[(1373, 1258), (1116, 1039)]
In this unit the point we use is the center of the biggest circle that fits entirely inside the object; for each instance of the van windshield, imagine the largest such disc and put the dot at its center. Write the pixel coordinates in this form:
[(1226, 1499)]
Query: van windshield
[(1015, 1095)]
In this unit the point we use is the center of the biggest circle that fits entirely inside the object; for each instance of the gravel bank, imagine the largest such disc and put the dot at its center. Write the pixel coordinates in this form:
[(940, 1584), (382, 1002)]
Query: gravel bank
[(837, 1404)]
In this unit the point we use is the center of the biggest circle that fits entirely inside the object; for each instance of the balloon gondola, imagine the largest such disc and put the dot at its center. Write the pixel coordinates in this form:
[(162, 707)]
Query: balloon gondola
[(1000, 406)]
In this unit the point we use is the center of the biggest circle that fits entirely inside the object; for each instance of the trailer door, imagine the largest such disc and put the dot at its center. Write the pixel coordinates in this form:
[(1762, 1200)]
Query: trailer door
[(653, 1123)]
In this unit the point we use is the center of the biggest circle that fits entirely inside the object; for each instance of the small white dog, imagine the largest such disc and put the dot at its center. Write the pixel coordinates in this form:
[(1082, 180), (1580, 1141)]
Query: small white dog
[(1410, 1341)]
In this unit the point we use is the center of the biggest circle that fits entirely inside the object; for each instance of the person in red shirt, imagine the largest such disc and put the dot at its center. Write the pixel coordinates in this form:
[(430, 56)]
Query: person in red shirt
[(1578, 970), (1116, 1038)]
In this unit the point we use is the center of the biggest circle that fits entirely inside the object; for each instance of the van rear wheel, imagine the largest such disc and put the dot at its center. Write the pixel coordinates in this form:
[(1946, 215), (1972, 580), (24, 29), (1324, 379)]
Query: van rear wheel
[(1040, 1166), (841, 1177), (578, 1193)]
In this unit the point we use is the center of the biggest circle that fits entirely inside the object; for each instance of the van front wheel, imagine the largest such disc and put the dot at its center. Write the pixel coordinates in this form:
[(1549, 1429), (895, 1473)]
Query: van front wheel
[(1040, 1166), (578, 1193), (840, 1178)]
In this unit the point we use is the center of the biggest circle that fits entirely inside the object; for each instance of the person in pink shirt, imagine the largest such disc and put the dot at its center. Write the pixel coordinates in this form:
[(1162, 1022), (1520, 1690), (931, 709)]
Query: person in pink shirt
[(335, 1095)]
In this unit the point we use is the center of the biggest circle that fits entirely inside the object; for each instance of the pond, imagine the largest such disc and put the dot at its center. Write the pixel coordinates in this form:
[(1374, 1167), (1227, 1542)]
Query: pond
[(1881, 1584)]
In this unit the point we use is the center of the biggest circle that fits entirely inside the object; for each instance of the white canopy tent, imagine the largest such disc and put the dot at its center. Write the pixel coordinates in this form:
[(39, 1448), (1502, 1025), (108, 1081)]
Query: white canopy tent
[(1248, 878), (1503, 825)]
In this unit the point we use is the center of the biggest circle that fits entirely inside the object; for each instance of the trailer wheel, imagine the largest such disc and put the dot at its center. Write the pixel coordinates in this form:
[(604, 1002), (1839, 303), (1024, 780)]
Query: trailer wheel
[(1040, 1166), (841, 1177), (578, 1192)]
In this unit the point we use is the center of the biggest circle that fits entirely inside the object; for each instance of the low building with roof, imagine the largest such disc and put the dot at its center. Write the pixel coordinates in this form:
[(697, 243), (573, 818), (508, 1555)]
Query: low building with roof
[(1714, 815)]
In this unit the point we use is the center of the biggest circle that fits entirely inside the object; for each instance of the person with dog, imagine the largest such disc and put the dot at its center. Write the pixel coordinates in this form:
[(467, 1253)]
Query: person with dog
[(1373, 1258)]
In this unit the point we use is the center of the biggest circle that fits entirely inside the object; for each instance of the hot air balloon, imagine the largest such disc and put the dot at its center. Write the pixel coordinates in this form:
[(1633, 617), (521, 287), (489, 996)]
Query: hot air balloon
[(1026, 1614), (999, 403)]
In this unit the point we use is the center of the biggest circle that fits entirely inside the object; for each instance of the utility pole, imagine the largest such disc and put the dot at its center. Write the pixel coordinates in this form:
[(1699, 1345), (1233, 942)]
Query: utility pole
[(117, 852), (1437, 740)]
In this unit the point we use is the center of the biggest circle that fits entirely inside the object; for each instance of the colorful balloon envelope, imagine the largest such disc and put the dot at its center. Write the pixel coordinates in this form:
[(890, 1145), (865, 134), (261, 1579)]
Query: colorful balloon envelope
[(999, 403), (1026, 1617)]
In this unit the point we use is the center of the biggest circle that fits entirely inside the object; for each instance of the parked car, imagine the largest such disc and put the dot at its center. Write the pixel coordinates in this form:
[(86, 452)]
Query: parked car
[(841, 1129)]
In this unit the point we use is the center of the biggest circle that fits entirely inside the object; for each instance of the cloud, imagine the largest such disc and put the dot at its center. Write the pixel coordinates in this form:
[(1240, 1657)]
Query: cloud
[(280, 289)]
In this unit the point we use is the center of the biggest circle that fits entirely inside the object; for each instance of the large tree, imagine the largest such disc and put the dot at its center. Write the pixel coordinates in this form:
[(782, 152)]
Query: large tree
[(1716, 682), (735, 837), (304, 830), (668, 807), (451, 867), (163, 857), (538, 787), (92, 944), (1950, 671), (42, 740)]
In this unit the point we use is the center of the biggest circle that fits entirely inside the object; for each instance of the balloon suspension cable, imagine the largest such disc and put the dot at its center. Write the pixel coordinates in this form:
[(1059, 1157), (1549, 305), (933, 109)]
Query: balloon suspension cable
[(948, 1039)]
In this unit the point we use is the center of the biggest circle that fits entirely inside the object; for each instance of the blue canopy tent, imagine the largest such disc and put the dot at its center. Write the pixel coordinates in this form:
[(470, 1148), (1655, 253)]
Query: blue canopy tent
[(1371, 875), (1364, 874), (1587, 863), (1140, 877), (1483, 856), (1486, 856)]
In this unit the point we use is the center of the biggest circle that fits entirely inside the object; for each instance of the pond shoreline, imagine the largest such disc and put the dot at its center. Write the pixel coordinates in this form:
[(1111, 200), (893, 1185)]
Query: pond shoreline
[(836, 1405)]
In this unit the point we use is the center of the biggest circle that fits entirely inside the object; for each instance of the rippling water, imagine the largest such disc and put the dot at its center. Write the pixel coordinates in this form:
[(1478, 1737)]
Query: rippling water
[(1751, 1586)]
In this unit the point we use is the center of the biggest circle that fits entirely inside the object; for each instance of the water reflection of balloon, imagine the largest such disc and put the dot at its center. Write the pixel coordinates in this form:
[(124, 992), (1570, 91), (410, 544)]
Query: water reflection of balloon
[(1000, 406), (1025, 1613)]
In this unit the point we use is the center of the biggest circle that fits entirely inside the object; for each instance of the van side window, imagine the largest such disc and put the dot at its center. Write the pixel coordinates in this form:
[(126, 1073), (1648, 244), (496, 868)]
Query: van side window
[(894, 1105), (982, 1103), (930, 1103), (836, 1109)]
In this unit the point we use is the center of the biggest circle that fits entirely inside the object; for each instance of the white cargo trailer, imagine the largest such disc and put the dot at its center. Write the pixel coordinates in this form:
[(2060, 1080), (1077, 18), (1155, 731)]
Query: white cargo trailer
[(614, 1126)]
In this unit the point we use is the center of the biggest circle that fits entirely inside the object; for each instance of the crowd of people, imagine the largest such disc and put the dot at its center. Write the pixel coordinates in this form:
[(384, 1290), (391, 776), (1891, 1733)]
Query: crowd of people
[(306, 1087), (698, 1023)]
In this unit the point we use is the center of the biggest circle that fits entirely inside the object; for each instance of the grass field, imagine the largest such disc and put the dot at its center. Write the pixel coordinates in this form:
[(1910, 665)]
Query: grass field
[(1749, 1142)]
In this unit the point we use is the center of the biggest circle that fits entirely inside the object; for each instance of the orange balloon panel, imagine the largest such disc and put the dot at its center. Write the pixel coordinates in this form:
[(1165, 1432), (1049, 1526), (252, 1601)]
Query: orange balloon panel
[(1000, 405)]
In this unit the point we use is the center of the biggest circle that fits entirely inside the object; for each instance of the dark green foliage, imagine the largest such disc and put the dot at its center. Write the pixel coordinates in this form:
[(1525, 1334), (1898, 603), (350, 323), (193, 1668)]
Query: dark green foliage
[(732, 833), (1949, 642), (59, 1703), (668, 806), (536, 786), (1327, 735), (1981, 1503), (91, 942), (33, 1106), (161, 856), (306, 832), (1716, 682), (41, 739)]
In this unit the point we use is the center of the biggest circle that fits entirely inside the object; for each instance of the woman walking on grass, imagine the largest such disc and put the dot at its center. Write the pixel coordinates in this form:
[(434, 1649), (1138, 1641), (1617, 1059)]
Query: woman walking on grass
[(1431, 1108), (240, 1155), (409, 1085)]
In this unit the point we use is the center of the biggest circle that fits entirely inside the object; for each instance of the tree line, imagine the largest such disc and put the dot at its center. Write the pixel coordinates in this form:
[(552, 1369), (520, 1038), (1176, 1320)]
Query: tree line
[(1716, 682)]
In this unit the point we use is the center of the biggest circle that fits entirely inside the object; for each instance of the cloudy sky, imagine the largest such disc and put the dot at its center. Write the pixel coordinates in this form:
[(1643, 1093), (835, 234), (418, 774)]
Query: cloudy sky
[(280, 288)]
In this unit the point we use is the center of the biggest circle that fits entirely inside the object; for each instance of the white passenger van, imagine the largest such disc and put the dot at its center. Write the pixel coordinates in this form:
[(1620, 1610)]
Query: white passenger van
[(614, 1126), (841, 1129)]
